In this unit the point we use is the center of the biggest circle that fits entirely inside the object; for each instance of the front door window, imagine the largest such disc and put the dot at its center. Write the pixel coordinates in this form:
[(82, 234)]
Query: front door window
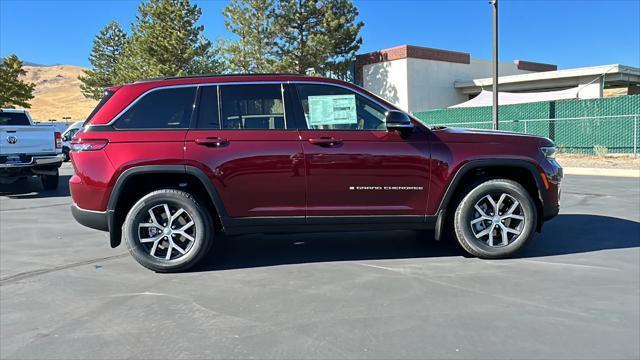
[(334, 108)]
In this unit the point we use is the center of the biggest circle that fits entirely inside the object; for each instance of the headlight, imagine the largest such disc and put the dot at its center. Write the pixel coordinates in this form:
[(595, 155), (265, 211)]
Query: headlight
[(549, 151)]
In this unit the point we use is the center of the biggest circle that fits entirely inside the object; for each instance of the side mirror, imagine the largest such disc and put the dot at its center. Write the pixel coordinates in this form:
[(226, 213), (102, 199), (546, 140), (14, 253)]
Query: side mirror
[(397, 120)]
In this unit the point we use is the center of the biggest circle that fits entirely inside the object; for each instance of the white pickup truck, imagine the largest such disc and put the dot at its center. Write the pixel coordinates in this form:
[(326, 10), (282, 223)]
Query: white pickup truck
[(27, 149)]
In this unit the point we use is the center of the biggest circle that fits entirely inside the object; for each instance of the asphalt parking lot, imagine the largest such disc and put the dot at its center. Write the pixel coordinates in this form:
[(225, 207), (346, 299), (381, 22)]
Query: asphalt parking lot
[(573, 292)]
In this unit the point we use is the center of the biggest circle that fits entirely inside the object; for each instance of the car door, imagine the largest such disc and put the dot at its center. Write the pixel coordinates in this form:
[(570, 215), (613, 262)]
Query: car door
[(243, 142), (355, 167)]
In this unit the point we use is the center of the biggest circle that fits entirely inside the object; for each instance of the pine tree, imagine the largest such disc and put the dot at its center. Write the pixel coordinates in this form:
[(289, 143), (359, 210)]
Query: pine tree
[(105, 54), (252, 21), (13, 91), (165, 41), (343, 29), (317, 35)]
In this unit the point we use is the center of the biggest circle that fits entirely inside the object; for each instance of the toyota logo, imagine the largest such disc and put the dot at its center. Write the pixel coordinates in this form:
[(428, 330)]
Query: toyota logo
[(12, 139)]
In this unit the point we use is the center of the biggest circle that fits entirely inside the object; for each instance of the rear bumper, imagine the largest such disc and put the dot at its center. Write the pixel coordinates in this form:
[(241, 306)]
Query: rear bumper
[(98, 220), (53, 160), (37, 165)]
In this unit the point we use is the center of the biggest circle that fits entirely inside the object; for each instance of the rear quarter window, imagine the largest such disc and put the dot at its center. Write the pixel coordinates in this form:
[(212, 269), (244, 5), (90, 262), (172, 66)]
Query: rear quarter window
[(107, 95), (160, 109)]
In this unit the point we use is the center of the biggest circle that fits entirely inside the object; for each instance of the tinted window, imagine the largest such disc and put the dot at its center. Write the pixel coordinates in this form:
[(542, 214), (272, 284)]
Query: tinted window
[(208, 117), (334, 108), (68, 135), (252, 107), (160, 109), (13, 118), (105, 98)]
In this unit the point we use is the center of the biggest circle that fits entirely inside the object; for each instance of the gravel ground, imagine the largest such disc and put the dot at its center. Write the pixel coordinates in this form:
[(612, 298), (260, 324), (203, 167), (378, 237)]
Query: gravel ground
[(607, 162)]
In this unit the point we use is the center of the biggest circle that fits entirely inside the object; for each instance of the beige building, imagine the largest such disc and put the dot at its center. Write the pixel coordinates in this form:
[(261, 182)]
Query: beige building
[(418, 78)]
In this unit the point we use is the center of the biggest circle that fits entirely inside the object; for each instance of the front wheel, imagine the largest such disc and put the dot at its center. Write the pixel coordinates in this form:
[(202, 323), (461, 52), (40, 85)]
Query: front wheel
[(495, 219), (168, 231)]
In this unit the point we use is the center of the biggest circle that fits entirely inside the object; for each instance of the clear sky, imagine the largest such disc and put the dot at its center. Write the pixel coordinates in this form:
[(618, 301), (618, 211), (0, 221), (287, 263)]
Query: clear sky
[(567, 33)]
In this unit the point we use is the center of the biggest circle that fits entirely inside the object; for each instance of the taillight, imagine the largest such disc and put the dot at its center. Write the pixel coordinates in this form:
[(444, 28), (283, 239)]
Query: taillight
[(88, 144), (58, 137)]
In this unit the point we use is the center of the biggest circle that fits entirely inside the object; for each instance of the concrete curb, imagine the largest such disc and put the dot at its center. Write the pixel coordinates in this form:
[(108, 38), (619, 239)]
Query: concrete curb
[(634, 173)]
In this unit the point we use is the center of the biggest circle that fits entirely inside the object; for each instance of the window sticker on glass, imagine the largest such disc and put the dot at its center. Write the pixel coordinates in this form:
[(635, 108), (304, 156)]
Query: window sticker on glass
[(332, 110)]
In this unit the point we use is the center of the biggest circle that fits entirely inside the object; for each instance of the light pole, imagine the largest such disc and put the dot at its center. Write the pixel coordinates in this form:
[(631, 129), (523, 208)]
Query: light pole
[(494, 4)]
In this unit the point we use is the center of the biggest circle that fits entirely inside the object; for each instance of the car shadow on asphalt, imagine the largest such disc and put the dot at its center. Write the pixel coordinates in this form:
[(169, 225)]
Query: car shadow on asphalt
[(566, 234), (31, 188), (578, 233)]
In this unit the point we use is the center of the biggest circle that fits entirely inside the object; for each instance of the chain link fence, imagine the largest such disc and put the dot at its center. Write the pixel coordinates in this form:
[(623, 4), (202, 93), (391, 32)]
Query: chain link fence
[(594, 127), (598, 135)]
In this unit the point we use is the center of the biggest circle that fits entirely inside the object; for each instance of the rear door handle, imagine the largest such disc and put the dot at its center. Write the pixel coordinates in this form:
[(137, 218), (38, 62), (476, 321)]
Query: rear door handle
[(212, 142), (325, 141)]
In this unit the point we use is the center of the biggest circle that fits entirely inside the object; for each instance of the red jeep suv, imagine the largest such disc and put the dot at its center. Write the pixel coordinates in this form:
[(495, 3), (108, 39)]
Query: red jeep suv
[(169, 164)]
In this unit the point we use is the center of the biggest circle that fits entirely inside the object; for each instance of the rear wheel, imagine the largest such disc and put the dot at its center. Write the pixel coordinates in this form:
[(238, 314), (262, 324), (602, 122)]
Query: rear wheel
[(65, 154), (50, 182), (168, 231), (495, 219)]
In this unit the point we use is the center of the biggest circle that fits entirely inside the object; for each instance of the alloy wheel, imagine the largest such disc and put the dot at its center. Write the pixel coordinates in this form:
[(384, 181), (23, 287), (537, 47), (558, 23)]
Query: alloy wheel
[(168, 232), (497, 220)]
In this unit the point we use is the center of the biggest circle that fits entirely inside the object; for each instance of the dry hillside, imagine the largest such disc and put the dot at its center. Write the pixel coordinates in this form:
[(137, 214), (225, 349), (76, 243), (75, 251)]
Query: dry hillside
[(57, 93)]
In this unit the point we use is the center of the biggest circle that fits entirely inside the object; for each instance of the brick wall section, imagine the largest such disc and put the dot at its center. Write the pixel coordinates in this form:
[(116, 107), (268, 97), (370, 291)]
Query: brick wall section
[(535, 66), (409, 51)]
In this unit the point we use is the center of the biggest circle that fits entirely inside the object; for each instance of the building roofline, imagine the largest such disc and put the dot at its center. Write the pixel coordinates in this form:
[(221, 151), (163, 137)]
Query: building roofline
[(534, 66), (415, 52), (550, 75)]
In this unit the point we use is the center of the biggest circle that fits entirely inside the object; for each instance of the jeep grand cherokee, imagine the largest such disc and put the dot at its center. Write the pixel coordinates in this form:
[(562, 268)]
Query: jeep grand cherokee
[(170, 164)]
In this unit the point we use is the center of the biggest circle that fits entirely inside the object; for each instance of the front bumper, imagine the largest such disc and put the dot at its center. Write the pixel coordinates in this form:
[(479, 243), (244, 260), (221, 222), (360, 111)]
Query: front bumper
[(98, 220), (551, 199)]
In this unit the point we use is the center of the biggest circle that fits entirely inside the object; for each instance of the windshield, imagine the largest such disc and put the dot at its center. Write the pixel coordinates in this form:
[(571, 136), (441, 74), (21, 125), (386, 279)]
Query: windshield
[(14, 118)]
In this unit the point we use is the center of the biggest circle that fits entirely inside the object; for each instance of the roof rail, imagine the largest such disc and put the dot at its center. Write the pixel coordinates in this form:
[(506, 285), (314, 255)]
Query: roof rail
[(214, 75)]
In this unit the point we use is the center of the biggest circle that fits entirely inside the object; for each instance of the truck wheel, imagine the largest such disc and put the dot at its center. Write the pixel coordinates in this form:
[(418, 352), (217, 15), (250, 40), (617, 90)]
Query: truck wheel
[(65, 154), (495, 219), (168, 231), (50, 182)]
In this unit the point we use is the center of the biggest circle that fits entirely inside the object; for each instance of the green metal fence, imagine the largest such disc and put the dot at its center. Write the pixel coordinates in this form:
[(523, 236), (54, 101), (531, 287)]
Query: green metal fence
[(576, 126)]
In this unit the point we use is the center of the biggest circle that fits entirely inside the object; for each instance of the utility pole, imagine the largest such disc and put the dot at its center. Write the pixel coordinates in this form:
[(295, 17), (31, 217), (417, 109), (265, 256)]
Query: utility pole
[(494, 4)]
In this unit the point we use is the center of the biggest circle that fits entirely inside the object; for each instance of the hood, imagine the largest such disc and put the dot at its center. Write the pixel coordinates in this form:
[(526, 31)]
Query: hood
[(459, 135)]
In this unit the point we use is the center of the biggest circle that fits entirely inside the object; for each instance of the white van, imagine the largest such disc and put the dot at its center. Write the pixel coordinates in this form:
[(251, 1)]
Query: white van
[(67, 135)]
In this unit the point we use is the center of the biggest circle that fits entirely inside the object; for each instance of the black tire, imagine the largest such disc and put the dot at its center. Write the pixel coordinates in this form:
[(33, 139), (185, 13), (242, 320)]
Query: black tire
[(196, 251), (465, 212), (50, 182)]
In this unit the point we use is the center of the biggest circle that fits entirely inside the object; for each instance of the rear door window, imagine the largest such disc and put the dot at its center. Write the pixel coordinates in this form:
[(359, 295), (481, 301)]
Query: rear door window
[(253, 107), (160, 109), (208, 116)]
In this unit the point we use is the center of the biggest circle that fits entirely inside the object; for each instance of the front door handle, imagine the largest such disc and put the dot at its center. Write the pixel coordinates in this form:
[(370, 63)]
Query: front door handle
[(212, 142), (325, 141)]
